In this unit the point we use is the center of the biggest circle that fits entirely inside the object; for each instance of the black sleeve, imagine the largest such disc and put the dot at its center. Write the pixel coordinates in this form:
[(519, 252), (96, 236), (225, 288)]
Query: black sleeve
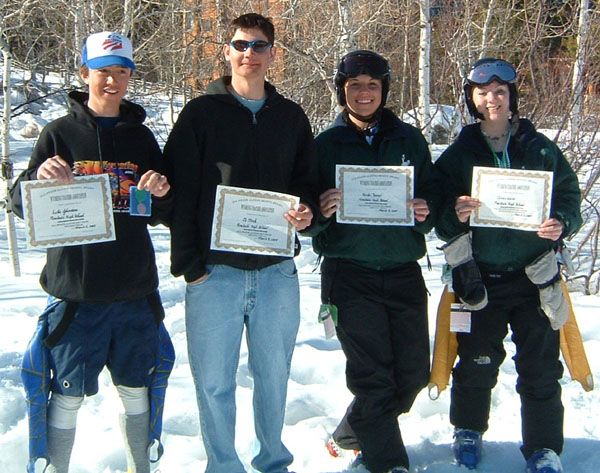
[(183, 158)]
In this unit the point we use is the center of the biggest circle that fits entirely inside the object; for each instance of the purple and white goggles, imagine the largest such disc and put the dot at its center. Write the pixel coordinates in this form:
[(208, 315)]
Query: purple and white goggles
[(484, 72)]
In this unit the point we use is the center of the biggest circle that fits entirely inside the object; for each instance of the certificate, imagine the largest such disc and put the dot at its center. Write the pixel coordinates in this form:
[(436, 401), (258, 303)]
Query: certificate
[(59, 214), (252, 221), (375, 195), (511, 198)]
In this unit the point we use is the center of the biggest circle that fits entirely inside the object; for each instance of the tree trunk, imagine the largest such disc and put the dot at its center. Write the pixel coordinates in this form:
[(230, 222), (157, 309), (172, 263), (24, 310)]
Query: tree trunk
[(424, 70), (485, 33), (347, 39), (579, 68), (7, 166)]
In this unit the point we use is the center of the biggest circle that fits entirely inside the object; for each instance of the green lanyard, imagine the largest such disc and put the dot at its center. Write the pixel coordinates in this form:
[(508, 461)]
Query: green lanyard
[(501, 160)]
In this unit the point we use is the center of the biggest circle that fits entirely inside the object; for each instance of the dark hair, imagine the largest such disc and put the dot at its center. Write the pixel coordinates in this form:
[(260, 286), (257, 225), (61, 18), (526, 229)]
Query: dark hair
[(254, 20)]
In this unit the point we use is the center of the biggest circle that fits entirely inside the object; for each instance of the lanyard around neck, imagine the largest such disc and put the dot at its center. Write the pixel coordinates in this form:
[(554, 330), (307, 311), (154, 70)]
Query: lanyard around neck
[(501, 160)]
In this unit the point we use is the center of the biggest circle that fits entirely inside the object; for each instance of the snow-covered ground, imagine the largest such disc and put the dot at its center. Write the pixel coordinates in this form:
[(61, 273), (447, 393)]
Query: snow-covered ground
[(317, 394)]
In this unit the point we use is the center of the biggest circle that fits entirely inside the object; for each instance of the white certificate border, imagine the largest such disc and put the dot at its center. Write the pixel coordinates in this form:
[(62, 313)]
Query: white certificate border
[(222, 191), (106, 234), (407, 170), (480, 171)]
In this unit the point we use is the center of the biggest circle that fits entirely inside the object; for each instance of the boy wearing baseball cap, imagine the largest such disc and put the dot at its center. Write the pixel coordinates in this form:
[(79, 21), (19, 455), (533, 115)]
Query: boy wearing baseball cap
[(104, 308)]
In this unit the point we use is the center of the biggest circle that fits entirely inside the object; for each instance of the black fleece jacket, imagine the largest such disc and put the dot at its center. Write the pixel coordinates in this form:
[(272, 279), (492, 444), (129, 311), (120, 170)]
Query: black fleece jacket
[(123, 269), (216, 140)]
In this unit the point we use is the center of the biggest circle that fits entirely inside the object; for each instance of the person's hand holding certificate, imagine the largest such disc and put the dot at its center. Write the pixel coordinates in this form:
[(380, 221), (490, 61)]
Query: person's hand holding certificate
[(75, 213), (375, 195), (511, 198), (252, 221)]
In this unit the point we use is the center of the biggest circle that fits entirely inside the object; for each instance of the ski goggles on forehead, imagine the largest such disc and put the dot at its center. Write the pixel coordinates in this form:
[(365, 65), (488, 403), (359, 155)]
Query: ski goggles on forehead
[(358, 64), (486, 72), (258, 46)]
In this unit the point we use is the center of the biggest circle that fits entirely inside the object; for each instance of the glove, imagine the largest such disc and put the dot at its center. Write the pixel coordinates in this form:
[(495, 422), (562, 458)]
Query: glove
[(466, 277), (543, 272)]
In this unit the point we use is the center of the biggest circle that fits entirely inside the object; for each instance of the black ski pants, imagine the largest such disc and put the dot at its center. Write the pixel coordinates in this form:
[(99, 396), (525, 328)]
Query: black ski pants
[(514, 301), (383, 330)]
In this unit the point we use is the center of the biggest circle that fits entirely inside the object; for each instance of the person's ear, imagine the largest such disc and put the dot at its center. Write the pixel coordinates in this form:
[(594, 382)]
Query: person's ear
[(226, 50), (84, 73), (272, 54)]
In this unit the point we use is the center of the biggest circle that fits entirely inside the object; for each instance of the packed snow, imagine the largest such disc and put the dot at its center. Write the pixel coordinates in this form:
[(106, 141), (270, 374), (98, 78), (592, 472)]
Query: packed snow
[(317, 396)]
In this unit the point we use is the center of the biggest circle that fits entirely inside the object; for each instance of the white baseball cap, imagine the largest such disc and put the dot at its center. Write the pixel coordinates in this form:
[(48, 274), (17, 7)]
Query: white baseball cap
[(107, 49)]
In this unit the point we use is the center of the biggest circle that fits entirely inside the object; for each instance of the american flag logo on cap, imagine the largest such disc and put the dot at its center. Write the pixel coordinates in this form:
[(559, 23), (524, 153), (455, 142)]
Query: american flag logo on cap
[(107, 48), (113, 42)]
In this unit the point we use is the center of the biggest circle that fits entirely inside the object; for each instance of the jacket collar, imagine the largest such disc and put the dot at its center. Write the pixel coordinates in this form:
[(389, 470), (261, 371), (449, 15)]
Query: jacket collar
[(390, 127), (218, 89), (472, 138)]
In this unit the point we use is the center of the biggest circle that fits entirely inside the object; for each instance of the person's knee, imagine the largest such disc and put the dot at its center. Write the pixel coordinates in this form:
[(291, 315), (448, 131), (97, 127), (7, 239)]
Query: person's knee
[(135, 400), (62, 411)]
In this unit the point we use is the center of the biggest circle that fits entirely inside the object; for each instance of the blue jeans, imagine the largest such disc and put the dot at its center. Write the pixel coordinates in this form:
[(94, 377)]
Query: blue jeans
[(267, 303)]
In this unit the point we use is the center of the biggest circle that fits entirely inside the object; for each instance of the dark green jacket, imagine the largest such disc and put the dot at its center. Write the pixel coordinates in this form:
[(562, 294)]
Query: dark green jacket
[(396, 143), (504, 249)]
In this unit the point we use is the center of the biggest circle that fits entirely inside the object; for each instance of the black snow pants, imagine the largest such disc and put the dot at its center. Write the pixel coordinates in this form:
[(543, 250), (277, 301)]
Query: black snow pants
[(513, 300), (383, 330)]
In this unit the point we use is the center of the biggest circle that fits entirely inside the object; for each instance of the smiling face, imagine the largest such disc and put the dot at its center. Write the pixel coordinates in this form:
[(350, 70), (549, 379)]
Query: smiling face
[(249, 64), (363, 95), (107, 86), (492, 101)]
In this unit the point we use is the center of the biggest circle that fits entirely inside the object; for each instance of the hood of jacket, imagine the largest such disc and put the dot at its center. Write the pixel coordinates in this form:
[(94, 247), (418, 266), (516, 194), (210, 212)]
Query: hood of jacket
[(129, 112)]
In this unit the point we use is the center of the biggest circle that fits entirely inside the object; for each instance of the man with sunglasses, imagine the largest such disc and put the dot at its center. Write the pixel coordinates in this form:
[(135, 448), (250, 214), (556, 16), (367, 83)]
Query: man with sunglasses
[(370, 274), (241, 133), (517, 268)]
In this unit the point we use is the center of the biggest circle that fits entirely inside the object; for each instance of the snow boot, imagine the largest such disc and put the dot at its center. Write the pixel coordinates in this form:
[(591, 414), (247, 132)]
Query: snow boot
[(544, 461), (467, 447), (358, 462), (333, 448)]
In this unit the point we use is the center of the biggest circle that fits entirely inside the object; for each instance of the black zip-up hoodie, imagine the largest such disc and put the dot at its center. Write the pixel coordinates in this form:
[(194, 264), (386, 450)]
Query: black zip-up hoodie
[(216, 140), (123, 269)]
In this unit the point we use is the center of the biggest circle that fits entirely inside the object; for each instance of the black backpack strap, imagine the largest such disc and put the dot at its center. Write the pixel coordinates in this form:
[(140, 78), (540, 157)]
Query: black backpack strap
[(54, 337)]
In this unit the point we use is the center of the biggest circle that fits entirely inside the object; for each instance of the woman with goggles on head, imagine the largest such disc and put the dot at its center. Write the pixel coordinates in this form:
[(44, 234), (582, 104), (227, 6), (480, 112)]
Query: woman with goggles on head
[(500, 273), (370, 273)]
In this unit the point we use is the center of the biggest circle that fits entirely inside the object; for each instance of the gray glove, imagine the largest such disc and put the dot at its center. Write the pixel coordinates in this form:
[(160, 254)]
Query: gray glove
[(543, 272), (466, 277)]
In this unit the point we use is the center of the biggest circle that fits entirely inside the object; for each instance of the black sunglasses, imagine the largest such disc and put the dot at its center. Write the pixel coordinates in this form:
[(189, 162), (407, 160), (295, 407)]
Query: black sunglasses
[(258, 45)]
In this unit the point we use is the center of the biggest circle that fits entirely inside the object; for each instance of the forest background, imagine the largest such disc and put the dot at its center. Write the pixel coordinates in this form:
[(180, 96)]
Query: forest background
[(555, 45)]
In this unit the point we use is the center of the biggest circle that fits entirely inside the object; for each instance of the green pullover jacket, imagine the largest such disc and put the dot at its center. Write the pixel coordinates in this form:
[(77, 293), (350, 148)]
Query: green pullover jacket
[(395, 144), (502, 249)]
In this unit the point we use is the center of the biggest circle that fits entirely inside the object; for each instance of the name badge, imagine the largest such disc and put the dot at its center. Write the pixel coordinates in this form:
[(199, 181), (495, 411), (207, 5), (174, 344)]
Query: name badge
[(140, 202), (460, 319), (328, 316)]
